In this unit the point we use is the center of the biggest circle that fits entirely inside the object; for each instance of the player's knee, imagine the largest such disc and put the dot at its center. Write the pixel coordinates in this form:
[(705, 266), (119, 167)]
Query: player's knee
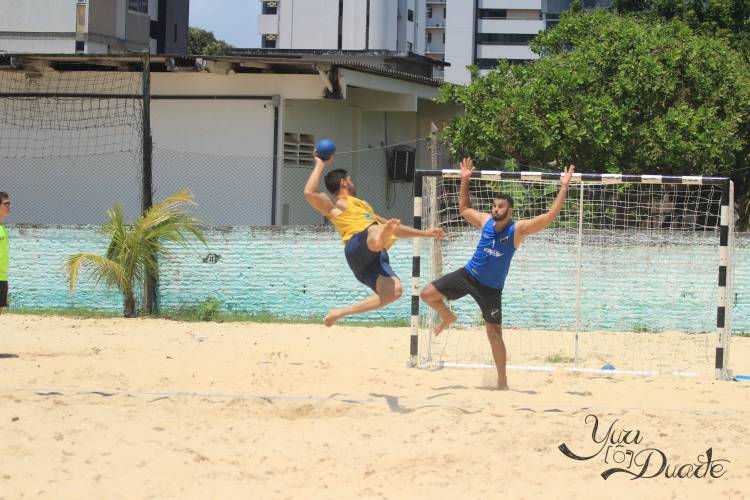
[(428, 294), (374, 245), (398, 290), (495, 329)]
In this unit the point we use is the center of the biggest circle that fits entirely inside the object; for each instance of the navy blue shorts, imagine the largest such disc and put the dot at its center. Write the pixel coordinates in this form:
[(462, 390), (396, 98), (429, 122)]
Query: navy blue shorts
[(364, 263), (460, 283)]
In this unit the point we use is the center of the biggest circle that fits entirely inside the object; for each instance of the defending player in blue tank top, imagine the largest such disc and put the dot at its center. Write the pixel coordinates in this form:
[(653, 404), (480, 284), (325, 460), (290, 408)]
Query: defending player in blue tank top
[(491, 260)]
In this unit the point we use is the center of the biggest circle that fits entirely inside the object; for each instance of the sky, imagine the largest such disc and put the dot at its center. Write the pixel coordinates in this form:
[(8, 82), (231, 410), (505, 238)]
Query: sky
[(234, 21)]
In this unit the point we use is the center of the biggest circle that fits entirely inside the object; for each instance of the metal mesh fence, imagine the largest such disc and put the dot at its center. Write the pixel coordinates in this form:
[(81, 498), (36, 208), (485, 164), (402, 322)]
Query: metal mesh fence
[(71, 147)]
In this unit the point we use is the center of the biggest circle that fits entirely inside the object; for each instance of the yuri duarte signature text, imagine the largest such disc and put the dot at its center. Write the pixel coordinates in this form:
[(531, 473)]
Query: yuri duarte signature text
[(619, 449)]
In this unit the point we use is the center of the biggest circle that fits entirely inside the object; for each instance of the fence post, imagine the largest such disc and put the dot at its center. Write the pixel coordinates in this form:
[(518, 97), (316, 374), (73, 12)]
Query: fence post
[(150, 291), (433, 145)]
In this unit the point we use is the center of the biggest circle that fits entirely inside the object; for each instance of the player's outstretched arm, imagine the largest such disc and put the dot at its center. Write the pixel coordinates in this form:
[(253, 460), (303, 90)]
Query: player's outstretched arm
[(319, 201), (527, 227), (473, 217)]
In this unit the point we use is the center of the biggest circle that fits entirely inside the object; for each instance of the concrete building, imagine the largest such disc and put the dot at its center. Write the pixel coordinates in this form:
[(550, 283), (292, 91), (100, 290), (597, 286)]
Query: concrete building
[(93, 26), (477, 32), (495, 29), (393, 25), (491, 30)]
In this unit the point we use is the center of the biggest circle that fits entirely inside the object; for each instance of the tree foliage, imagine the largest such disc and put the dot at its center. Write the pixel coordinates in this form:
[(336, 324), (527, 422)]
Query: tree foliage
[(134, 251), (204, 43), (611, 93), (614, 93), (728, 19)]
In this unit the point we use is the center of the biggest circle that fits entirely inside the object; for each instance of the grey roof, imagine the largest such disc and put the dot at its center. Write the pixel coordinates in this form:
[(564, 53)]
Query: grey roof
[(281, 62)]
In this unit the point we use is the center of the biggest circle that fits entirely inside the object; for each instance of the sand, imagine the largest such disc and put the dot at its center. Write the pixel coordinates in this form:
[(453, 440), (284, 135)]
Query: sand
[(114, 408)]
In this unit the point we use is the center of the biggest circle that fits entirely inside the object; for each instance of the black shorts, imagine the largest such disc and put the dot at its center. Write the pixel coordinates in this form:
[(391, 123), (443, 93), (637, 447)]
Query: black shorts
[(364, 263), (460, 283), (3, 294)]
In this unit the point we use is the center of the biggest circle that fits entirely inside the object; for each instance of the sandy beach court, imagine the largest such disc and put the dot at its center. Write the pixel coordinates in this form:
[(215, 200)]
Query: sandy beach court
[(115, 408)]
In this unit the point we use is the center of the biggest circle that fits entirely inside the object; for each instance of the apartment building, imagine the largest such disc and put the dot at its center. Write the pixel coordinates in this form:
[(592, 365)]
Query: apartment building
[(477, 32), (94, 26), (390, 25)]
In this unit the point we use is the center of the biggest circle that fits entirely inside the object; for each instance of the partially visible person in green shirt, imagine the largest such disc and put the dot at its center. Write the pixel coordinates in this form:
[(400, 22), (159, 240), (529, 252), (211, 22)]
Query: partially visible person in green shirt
[(4, 250)]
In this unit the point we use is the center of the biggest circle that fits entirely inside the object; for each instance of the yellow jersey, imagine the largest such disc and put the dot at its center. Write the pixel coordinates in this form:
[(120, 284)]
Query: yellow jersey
[(357, 217)]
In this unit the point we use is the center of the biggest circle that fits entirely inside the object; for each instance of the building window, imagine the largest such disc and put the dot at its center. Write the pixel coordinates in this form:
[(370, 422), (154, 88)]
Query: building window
[(410, 15), (80, 47), (505, 38), (429, 37), (492, 63), (270, 8), (493, 14), (503, 14), (175, 33), (138, 6), (268, 42), (429, 12)]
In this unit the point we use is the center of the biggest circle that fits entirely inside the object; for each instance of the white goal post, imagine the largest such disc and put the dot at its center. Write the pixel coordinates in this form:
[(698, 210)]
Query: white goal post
[(624, 281)]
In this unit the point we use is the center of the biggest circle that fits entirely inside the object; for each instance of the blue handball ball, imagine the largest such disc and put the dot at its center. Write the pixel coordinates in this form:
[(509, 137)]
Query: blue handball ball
[(325, 148), (608, 367)]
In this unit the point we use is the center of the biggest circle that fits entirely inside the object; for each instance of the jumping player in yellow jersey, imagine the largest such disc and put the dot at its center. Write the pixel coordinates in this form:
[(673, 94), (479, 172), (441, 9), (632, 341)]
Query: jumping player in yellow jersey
[(366, 237)]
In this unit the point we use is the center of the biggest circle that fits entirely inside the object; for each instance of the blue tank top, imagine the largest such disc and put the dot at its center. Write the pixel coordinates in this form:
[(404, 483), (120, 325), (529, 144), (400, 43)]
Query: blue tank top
[(491, 260)]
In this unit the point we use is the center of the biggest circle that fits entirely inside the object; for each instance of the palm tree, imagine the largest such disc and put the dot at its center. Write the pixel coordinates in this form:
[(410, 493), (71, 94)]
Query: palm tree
[(134, 251)]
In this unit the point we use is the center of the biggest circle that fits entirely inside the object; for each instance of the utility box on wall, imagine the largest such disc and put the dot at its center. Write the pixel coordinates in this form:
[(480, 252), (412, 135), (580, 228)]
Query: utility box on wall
[(400, 164)]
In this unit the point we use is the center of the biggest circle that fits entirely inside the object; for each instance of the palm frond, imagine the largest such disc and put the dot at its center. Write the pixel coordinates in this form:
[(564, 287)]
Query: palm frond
[(100, 268), (134, 252)]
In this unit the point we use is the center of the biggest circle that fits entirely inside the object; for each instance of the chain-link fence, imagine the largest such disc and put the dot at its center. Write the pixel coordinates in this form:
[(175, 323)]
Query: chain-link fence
[(72, 141)]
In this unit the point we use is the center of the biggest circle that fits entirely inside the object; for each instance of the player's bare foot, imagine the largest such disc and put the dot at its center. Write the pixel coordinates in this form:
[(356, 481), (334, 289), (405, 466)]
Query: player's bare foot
[(502, 385), (447, 320), (388, 229), (333, 316)]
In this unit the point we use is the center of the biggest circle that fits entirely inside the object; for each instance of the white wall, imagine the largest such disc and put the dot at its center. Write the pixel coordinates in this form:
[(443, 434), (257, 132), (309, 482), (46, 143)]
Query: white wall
[(354, 25), (420, 24), (308, 24), (292, 86), (120, 24), (510, 26), (227, 150), (268, 24), (38, 45), (38, 15), (510, 4), (313, 24), (222, 151), (459, 45), (505, 52), (383, 24)]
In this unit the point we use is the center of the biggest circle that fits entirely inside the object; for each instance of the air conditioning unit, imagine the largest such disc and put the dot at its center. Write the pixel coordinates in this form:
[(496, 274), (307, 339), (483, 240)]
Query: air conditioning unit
[(400, 164)]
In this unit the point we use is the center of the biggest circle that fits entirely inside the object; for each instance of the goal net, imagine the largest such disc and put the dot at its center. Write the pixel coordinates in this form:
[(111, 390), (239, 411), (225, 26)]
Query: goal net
[(70, 136), (625, 279)]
